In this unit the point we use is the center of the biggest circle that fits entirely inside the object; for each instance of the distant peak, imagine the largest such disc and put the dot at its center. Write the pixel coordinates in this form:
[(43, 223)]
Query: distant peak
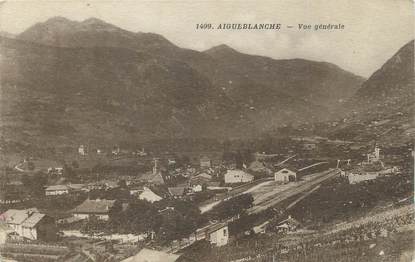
[(93, 20), (58, 19), (222, 46), (221, 49), (97, 24)]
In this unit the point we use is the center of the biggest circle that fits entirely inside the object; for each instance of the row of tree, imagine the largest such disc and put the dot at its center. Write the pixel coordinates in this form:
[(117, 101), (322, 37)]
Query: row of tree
[(168, 219), (231, 208)]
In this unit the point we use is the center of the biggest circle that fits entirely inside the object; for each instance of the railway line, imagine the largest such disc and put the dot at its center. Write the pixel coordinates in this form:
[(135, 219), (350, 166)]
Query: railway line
[(281, 196)]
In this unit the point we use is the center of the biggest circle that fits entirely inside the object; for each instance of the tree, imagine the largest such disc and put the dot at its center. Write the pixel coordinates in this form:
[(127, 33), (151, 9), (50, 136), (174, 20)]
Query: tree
[(35, 184), (138, 217), (116, 217), (75, 164), (232, 207), (69, 173), (239, 160), (31, 165), (92, 225), (122, 184), (26, 181)]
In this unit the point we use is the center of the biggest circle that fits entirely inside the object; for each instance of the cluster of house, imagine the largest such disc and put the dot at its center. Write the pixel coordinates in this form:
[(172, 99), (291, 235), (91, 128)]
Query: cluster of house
[(27, 224), (203, 181), (370, 169), (207, 176), (67, 189), (84, 150)]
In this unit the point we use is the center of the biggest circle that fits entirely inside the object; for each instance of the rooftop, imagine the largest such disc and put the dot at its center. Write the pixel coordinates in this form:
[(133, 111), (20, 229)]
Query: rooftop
[(148, 255), (57, 188), (216, 227), (98, 206), (237, 172), (33, 220), (25, 217)]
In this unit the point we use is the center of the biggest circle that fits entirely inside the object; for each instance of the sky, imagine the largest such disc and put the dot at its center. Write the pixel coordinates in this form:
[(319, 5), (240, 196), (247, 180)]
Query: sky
[(373, 29)]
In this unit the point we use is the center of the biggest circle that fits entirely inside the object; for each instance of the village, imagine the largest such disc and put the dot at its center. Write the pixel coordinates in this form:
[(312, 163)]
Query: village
[(119, 204)]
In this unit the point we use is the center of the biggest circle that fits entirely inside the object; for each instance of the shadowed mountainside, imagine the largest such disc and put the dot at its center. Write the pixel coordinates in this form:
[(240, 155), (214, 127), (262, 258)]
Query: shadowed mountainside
[(64, 81)]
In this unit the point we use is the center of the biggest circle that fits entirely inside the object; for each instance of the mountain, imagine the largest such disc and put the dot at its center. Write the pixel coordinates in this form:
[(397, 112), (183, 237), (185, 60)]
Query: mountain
[(393, 82), (7, 34), (93, 32), (319, 84), (382, 109), (65, 82), (70, 95)]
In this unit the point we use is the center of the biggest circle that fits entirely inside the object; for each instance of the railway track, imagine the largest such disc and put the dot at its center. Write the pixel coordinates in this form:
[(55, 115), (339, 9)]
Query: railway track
[(277, 198)]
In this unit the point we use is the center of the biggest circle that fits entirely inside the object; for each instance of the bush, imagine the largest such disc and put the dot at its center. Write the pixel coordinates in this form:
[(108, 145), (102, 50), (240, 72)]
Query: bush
[(232, 207)]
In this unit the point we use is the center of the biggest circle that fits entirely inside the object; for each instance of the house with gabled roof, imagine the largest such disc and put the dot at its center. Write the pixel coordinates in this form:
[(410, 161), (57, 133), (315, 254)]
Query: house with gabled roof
[(99, 208), (217, 234), (57, 190), (155, 178), (285, 175), (199, 181), (148, 195), (30, 224)]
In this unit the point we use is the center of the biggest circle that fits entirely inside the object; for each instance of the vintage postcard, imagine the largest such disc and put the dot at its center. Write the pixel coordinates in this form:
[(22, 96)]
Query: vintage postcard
[(207, 131)]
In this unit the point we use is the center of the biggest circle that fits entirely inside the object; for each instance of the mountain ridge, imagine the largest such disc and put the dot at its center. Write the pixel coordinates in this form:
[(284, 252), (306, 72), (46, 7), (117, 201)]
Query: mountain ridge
[(382, 109), (152, 88)]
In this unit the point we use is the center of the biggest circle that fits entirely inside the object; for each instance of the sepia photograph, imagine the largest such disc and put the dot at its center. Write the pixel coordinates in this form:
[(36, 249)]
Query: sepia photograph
[(207, 131)]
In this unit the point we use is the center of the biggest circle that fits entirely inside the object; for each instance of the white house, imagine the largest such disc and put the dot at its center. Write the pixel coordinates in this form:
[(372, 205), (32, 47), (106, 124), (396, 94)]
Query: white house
[(82, 150), (237, 176), (218, 234), (149, 195), (285, 175), (30, 224), (5, 231)]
